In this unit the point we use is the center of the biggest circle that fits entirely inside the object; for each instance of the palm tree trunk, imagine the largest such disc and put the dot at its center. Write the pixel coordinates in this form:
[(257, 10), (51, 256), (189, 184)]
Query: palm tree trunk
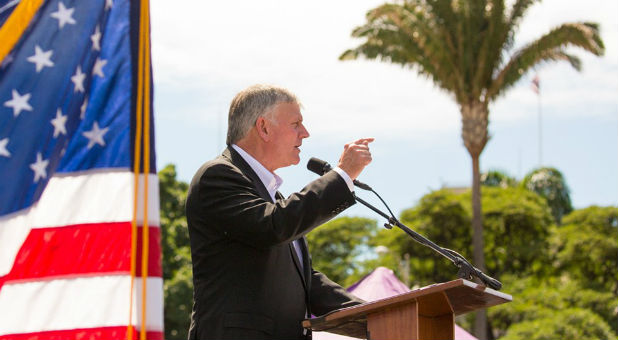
[(474, 116), (480, 321), (477, 218)]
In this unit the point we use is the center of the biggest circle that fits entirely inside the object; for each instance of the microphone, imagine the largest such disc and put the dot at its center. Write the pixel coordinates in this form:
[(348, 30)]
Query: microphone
[(321, 167)]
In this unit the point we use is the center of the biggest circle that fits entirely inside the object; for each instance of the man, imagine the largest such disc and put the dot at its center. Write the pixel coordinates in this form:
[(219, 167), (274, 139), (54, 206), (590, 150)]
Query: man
[(252, 273)]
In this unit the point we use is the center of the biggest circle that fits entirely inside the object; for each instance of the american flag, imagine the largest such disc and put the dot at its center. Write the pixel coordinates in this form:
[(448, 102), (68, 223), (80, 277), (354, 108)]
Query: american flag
[(70, 199), (536, 84)]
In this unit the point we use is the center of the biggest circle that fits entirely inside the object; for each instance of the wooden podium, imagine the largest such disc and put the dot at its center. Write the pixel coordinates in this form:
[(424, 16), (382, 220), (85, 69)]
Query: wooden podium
[(425, 313)]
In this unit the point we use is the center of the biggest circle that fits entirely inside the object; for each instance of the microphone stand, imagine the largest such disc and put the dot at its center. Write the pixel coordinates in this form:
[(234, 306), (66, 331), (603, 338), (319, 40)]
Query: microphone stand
[(466, 270)]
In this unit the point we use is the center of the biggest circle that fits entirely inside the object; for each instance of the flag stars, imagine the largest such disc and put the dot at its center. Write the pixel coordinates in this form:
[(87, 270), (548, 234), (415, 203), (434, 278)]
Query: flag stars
[(3, 150), (59, 124), (18, 103), (109, 4), (98, 67), (64, 15), (95, 136), (96, 39), (41, 58), (78, 79), (83, 108), (39, 167)]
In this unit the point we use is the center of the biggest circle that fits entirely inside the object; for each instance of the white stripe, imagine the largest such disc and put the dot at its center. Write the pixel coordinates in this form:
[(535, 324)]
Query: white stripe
[(9, 5), (69, 199), (85, 302)]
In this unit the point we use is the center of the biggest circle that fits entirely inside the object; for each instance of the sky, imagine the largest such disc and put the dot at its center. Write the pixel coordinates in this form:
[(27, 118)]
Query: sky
[(204, 52)]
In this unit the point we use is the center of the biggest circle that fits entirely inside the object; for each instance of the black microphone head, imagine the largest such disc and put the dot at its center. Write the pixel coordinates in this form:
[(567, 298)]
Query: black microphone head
[(318, 166)]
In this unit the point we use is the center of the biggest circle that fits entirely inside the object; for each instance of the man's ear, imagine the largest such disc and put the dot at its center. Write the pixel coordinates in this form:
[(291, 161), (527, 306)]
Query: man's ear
[(262, 127)]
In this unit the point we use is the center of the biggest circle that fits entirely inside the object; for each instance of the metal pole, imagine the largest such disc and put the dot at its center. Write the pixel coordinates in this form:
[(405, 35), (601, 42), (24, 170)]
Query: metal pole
[(540, 129)]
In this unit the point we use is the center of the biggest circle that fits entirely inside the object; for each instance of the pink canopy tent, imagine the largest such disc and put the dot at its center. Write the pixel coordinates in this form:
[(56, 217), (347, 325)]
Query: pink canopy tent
[(380, 284)]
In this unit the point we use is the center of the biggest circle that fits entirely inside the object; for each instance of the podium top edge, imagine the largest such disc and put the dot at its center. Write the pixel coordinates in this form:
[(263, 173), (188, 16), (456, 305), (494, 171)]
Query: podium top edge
[(459, 287), (487, 289)]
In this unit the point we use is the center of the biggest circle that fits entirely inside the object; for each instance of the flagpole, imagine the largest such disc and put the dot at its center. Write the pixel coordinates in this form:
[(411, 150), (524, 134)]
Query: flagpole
[(536, 87), (145, 63), (540, 129)]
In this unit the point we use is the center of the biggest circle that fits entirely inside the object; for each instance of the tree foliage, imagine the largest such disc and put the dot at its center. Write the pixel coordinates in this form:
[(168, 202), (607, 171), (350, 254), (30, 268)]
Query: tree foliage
[(586, 247), (496, 178), (545, 267), (177, 271), (572, 323), (440, 216), (540, 300), (336, 247), (550, 184), (516, 223)]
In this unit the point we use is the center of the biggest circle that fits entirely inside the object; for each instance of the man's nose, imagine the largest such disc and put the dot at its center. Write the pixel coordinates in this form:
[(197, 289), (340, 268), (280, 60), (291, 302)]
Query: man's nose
[(304, 133)]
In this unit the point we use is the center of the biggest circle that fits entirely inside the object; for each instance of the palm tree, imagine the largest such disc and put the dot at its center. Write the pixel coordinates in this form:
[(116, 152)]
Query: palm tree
[(466, 48)]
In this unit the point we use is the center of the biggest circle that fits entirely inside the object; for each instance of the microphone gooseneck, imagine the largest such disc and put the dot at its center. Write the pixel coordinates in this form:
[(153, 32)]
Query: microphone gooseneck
[(466, 269)]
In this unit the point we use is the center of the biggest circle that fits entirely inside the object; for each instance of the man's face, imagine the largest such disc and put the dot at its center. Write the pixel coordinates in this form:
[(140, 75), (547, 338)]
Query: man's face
[(288, 133)]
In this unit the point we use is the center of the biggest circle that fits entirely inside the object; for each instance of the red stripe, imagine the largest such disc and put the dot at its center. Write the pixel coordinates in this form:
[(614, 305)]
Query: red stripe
[(84, 249), (103, 333)]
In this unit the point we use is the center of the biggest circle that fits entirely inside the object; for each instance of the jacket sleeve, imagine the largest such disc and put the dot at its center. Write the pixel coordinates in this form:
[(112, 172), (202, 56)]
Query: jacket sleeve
[(228, 201), (327, 296)]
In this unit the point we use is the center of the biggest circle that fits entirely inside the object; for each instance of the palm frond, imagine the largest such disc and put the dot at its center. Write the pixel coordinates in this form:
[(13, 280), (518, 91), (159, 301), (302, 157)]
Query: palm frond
[(550, 47), (489, 54), (407, 35), (520, 7)]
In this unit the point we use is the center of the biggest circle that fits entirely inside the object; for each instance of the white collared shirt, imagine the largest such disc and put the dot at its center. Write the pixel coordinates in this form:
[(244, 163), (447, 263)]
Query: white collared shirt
[(271, 181)]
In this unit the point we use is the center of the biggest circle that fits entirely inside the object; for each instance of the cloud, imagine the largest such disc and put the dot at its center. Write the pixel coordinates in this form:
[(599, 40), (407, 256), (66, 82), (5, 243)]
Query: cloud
[(204, 52)]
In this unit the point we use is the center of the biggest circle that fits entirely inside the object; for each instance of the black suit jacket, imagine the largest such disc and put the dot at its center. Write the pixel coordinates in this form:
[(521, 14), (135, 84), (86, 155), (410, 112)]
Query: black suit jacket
[(248, 281)]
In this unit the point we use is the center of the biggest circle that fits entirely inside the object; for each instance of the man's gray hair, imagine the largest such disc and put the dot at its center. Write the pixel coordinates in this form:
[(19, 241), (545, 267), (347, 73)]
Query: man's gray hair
[(252, 103)]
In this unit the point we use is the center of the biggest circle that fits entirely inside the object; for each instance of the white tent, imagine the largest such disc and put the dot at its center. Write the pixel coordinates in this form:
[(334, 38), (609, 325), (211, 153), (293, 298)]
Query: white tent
[(381, 283)]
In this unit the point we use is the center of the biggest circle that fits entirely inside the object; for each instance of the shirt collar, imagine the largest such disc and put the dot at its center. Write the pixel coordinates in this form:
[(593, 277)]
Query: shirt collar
[(271, 181)]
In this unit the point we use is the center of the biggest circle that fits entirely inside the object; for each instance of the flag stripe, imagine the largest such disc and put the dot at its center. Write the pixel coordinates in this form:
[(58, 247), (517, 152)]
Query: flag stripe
[(101, 333), (82, 249), (89, 197), (77, 303), (76, 199)]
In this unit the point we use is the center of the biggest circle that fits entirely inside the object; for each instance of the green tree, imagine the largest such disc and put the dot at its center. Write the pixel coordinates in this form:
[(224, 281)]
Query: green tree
[(336, 247), (549, 183), (466, 47), (541, 300), (177, 272), (440, 216), (496, 178), (571, 323), (586, 247), (517, 225)]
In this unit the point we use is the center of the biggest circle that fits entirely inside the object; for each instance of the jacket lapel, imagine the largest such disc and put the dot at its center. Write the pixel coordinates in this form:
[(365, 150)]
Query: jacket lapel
[(246, 169), (307, 262)]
